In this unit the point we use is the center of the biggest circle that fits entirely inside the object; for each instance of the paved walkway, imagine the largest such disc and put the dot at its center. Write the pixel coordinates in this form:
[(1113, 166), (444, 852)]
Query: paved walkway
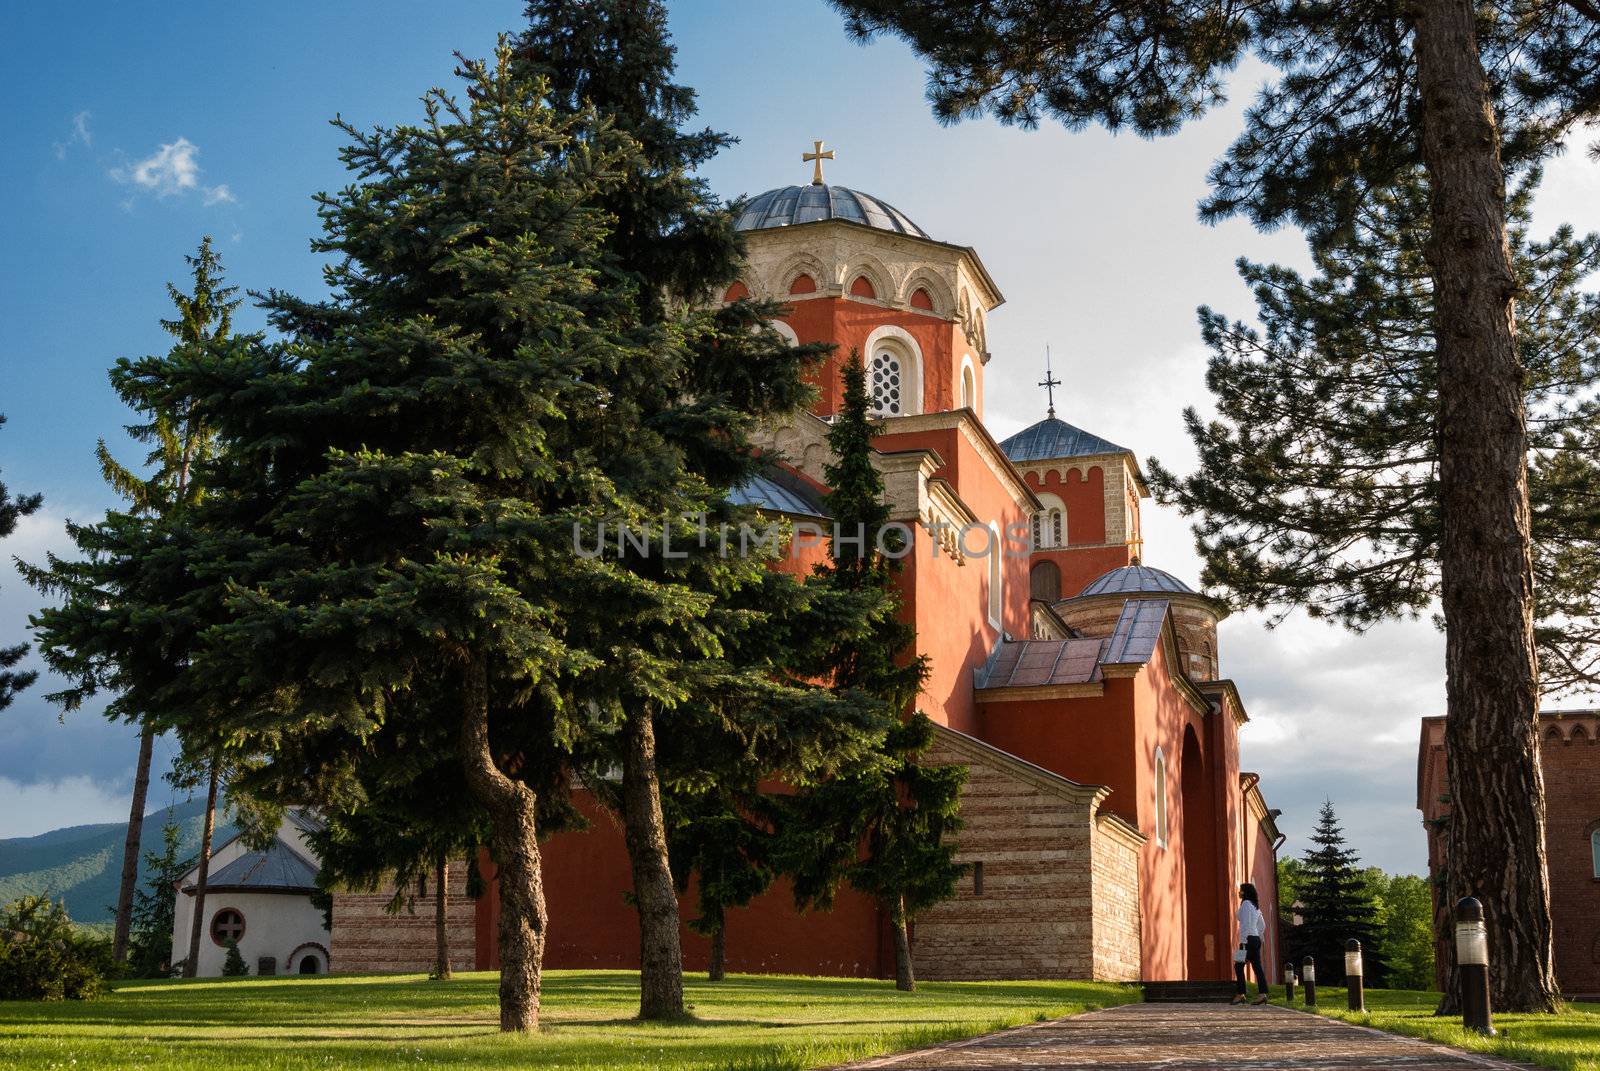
[(1171, 1037)]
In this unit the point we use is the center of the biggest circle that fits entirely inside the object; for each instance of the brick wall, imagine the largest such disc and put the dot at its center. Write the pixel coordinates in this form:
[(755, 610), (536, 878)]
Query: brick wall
[(1115, 862), (1038, 915), (1571, 763), (367, 938)]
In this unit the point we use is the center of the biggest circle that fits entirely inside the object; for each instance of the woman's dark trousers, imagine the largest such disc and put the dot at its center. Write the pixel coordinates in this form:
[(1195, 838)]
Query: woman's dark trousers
[(1252, 956)]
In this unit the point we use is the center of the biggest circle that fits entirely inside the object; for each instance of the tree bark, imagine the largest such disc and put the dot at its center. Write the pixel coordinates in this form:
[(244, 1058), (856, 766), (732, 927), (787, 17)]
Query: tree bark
[(718, 969), (514, 841), (441, 907), (660, 952), (197, 923), (1495, 844), (130, 846), (905, 979)]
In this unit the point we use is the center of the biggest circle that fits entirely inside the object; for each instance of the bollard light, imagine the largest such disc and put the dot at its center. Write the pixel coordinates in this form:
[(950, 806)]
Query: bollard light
[(1308, 978), (1354, 989), (1288, 982), (1472, 966)]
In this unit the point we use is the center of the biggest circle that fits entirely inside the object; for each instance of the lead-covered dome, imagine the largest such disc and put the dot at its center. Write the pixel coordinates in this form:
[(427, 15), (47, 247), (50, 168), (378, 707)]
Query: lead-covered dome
[(1136, 580), (789, 205)]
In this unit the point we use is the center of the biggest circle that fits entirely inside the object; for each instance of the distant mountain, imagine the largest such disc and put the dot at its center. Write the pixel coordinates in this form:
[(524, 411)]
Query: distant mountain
[(83, 864)]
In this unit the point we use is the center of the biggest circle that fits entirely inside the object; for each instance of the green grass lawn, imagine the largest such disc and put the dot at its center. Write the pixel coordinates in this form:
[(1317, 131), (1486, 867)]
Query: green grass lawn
[(1568, 1042), (750, 1023)]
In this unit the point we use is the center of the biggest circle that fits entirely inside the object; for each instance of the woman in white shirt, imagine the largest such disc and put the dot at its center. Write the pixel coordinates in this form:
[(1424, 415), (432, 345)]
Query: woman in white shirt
[(1252, 927)]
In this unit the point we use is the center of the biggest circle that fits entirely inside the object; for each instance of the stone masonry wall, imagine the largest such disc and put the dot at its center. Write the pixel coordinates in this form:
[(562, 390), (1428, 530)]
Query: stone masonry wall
[(1034, 916), (1570, 756), (367, 938), (1115, 861)]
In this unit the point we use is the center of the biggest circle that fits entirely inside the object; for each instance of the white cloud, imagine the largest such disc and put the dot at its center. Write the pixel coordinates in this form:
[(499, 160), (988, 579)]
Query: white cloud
[(172, 171), (80, 135), (30, 808)]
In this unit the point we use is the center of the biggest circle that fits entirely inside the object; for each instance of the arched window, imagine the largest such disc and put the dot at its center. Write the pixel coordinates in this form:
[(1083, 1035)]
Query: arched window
[(736, 291), (889, 382), (227, 925), (862, 287), (1050, 523), (1594, 850), (803, 284), (1161, 798), (969, 387), (996, 575), (1044, 581), (921, 299)]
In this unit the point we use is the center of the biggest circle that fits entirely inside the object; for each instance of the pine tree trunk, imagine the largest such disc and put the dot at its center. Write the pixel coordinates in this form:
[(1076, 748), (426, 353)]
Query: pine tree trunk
[(197, 924), (904, 978), (441, 908), (719, 952), (1496, 845), (660, 953), (514, 841), (130, 846)]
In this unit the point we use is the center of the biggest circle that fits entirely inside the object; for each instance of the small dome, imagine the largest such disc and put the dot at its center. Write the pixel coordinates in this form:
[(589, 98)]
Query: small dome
[(789, 205), (1052, 438), (1136, 579)]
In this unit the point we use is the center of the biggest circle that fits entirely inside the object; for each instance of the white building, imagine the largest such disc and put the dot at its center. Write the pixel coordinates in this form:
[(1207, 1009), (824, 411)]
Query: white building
[(262, 900)]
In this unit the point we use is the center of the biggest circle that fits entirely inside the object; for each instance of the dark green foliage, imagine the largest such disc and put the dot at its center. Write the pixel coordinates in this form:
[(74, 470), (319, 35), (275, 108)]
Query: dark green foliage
[(233, 964), (885, 826), (12, 509), (1337, 126), (1404, 929), (43, 958), (1334, 902), (1318, 480), (150, 935)]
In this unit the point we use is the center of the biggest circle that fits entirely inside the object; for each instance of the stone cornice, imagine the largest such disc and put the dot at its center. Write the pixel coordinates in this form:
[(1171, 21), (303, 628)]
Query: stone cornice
[(1119, 828), (967, 422), (1023, 693)]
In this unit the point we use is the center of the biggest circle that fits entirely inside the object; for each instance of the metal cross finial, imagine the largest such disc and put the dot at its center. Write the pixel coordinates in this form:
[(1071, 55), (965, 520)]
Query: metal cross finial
[(1049, 382), (818, 155)]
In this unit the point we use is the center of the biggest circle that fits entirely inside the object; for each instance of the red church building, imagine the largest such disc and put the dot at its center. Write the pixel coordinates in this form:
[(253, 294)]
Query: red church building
[(1108, 820)]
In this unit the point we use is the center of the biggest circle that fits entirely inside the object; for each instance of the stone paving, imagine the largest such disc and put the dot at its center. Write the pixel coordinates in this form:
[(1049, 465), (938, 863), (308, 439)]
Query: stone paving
[(1171, 1037)]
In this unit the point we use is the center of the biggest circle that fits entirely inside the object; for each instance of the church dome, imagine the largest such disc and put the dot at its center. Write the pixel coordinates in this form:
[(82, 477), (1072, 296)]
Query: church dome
[(789, 205), (1051, 438), (1136, 580)]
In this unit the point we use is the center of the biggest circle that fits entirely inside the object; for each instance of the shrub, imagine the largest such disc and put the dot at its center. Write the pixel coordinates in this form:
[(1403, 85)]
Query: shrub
[(234, 965), (43, 958)]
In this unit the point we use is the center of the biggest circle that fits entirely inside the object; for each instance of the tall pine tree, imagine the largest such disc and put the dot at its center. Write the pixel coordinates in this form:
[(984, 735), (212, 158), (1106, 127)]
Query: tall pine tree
[(1365, 92), (886, 826), (12, 509), (1334, 904), (180, 444)]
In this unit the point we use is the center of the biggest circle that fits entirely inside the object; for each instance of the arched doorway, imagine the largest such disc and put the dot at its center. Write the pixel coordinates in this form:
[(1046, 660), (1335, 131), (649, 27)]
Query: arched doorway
[(1205, 947)]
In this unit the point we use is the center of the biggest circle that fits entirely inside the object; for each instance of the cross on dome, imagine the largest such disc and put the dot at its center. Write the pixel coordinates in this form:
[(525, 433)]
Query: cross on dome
[(1049, 382), (818, 155)]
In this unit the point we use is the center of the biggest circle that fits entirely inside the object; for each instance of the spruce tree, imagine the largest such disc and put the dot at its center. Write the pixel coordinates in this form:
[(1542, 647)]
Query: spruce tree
[(1334, 903), (154, 906), (233, 964), (704, 676), (12, 509), (717, 838), (1365, 93), (884, 826), (180, 444)]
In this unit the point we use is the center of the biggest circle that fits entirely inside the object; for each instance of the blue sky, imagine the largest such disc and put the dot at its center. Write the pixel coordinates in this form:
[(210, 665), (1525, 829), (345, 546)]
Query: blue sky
[(139, 128)]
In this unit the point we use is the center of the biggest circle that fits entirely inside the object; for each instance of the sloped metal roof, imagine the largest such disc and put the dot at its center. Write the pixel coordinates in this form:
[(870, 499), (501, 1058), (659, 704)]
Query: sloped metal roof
[(276, 869), (1133, 642), (778, 495), (1038, 663), (1053, 438), (1136, 579), (788, 205)]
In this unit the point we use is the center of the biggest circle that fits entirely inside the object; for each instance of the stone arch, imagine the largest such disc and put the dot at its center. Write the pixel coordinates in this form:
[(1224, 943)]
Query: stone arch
[(969, 384), (790, 269), (904, 345), (736, 291), (1552, 735), (1579, 735), (938, 293), (310, 950), (785, 330), (870, 268)]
